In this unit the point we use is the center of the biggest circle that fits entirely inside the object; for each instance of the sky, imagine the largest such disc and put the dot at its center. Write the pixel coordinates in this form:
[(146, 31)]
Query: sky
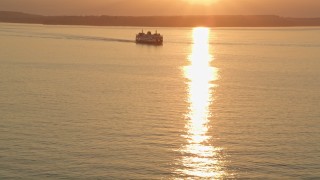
[(287, 8)]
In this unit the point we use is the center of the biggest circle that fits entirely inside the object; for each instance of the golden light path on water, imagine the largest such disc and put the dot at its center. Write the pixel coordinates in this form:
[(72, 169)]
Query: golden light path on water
[(200, 159)]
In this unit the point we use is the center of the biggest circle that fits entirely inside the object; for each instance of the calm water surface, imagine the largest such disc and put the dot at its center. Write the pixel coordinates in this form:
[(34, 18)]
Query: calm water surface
[(222, 103)]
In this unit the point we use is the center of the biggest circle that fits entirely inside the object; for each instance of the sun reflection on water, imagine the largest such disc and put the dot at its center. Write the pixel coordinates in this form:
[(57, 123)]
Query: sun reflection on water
[(200, 158)]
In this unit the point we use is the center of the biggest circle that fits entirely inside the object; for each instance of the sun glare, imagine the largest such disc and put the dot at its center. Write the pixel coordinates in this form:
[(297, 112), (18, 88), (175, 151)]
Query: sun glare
[(202, 2), (201, 157)]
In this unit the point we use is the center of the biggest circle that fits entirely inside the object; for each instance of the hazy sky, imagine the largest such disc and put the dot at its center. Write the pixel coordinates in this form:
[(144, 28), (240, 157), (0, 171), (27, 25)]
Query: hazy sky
[(292, 8)]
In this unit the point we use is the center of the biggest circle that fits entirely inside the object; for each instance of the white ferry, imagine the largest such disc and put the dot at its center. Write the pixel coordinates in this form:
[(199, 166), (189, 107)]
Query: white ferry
[(149, 38)]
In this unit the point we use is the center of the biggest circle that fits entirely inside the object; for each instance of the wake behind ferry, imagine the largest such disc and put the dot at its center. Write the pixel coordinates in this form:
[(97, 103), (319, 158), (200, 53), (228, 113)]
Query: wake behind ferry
[(149, 38)]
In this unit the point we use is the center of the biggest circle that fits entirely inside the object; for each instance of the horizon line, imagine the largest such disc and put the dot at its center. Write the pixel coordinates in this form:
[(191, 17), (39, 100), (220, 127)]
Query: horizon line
[(185, 15)]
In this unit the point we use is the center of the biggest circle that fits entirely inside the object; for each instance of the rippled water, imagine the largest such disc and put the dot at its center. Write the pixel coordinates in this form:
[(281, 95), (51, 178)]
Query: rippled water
[(87, 102)]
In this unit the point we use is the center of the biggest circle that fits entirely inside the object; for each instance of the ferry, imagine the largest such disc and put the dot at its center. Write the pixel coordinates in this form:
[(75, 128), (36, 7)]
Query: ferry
[(149, 38)]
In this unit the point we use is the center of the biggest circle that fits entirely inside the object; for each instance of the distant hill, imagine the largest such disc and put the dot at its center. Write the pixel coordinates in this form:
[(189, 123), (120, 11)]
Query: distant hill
[(161, 21), (18, 17)]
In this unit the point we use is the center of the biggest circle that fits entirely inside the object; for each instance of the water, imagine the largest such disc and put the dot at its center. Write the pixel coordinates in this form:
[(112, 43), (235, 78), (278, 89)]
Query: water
[(88, 103)]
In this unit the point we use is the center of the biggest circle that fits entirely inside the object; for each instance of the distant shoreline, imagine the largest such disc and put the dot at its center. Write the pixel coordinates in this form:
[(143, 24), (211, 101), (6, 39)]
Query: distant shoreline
[(161, 21)]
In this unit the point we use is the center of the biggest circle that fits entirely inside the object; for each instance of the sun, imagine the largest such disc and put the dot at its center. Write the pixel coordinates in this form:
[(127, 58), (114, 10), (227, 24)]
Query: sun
[(202, 2)]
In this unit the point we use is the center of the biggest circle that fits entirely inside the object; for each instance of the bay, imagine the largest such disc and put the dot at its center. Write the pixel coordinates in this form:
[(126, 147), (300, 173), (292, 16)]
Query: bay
[(81, 102)]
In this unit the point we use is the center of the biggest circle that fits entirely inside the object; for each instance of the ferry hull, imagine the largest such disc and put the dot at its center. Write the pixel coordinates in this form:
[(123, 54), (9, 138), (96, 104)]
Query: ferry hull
[(150, 42)]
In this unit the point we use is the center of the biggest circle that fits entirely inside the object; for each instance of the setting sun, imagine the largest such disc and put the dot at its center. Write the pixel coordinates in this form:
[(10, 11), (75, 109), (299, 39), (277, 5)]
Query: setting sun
[(203, 2)]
